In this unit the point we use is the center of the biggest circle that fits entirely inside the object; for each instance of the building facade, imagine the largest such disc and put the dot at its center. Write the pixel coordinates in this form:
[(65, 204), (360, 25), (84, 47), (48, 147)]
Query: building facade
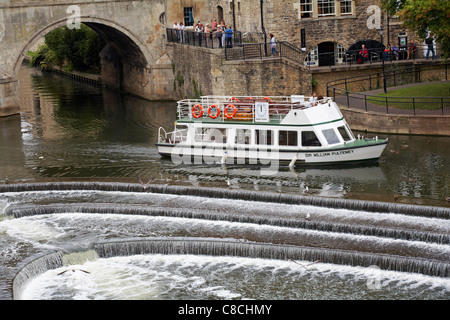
[(318, 27)]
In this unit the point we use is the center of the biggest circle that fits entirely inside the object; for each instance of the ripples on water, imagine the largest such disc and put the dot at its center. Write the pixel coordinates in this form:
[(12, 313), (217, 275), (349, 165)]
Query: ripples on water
[(70, 131), (156, 276)]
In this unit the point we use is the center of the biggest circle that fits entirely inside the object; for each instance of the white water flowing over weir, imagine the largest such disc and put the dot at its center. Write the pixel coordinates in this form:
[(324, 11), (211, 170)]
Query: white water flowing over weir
[(122, 221)]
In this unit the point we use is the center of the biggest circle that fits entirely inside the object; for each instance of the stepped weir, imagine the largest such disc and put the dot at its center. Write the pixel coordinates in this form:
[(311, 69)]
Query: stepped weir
[(393, 237)]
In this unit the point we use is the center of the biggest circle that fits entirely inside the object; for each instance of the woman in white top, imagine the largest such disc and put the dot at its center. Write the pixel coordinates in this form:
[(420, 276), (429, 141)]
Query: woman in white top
[(273, 45)]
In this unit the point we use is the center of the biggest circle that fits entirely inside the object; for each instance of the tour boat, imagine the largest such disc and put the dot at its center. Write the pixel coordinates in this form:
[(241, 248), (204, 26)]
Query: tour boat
[(286, 130)]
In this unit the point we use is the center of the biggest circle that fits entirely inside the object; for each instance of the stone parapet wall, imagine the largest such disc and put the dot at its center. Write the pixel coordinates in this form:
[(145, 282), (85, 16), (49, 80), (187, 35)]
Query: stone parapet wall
[(207, 73), (396, 124)]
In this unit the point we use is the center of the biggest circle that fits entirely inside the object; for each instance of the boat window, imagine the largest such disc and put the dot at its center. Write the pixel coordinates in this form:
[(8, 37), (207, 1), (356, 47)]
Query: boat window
[(288, 138), (309, 139), (200, 133), (219, 135), (265, 137), (243, 136), (344, 133), (211, 135), (331, 136)]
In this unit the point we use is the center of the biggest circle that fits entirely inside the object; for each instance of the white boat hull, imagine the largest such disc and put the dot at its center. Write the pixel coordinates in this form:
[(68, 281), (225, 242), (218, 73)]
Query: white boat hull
[(184, 154)]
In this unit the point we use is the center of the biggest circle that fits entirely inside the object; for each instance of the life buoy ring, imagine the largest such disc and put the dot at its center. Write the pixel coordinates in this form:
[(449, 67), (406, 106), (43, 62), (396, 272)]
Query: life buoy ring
[(233, 99), (267, 98), (213, 116), (195, 111), (225, 112)]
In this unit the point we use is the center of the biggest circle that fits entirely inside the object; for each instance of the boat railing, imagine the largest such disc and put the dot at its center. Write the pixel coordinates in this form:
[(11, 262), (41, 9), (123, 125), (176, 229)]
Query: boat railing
[(240, 108), (176, 136)]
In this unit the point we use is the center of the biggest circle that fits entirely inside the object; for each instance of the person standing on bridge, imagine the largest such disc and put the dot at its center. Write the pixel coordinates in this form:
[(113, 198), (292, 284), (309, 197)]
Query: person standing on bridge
[(429, 42), (181, 27), (273, 45), (229, 37)]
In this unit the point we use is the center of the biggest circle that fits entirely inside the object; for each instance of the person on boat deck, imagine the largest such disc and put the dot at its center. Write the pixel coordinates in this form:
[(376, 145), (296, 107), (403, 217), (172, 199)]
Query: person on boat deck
[(312, 100)]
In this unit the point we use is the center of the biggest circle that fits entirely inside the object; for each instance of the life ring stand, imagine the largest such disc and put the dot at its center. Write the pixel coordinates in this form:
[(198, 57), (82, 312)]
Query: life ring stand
[(213, 116), (195, 113), (225, 111)]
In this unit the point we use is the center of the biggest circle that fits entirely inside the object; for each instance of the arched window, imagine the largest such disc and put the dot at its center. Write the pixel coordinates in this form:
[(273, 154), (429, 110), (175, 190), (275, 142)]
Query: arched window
[(326, 54), (219, 14)]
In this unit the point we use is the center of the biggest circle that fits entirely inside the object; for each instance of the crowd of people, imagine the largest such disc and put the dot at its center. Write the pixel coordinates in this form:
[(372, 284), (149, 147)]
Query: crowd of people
[(208, 32)]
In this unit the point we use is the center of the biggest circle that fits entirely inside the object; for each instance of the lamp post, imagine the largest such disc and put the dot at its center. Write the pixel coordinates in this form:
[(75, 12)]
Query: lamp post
[(382, 57)]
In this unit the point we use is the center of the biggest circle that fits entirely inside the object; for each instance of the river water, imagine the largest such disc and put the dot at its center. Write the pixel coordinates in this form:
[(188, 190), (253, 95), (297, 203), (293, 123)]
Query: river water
[(73, 132)]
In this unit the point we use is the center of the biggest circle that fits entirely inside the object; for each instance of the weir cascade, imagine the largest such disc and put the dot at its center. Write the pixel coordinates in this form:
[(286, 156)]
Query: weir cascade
[(125, 220)]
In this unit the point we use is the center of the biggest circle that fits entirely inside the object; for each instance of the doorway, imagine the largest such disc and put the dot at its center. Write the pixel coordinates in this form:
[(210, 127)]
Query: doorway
[(326, 53)]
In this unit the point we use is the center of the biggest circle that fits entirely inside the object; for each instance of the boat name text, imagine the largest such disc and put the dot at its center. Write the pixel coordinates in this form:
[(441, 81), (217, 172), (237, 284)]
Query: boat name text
[(327, 154)]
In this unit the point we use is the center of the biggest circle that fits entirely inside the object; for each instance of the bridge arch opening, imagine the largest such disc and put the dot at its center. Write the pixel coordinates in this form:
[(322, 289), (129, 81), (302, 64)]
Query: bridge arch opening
[(125, 60)]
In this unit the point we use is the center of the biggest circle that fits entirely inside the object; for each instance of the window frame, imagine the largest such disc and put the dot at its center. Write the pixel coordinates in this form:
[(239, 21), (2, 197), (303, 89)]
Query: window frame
[(303, 6), (313, 139), (348, 4), (186, 16), (291, 136), (331, 137), (266, 139), (328, 7)]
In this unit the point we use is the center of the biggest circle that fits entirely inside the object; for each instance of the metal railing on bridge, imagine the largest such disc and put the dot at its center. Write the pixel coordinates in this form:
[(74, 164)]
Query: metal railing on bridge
[(212, 40), (250, 51)]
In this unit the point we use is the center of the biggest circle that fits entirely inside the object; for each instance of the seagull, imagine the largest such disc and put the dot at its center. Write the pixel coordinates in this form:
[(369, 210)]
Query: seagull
[(145, 186), (305, 265), (73, 270), (308, 217), (306, 190)]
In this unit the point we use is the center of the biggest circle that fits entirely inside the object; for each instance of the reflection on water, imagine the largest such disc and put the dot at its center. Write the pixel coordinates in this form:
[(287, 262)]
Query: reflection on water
[(68, 130)]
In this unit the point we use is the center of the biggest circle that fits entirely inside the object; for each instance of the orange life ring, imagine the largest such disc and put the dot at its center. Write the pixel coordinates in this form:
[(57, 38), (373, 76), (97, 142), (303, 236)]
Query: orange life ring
[(233, 99), (268, 99), (225, 111), (213, 116), (197, 114)]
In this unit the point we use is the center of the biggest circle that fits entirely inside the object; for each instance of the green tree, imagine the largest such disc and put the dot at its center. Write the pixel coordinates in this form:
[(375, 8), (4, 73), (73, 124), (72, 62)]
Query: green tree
[(423, 16), (76, 49)]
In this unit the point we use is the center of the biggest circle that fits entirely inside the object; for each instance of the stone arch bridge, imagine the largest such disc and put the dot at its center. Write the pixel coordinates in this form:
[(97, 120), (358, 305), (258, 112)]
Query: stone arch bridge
[(135, 57)]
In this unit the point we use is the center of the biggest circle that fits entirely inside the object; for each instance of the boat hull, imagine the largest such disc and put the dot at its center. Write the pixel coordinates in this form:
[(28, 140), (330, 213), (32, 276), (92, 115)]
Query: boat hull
[(186, 154)]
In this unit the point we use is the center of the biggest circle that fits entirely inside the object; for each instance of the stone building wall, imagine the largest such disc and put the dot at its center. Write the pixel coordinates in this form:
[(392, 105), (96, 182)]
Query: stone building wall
[(207, 73)]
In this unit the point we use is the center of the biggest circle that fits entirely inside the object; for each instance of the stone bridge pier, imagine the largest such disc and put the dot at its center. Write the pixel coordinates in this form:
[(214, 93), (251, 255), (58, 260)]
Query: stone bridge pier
[(134, 60)]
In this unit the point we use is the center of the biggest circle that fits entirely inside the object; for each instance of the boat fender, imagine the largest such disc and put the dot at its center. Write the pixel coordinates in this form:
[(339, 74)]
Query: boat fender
[(197, 111), (211, 107), (293, 161), (230, 116)]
